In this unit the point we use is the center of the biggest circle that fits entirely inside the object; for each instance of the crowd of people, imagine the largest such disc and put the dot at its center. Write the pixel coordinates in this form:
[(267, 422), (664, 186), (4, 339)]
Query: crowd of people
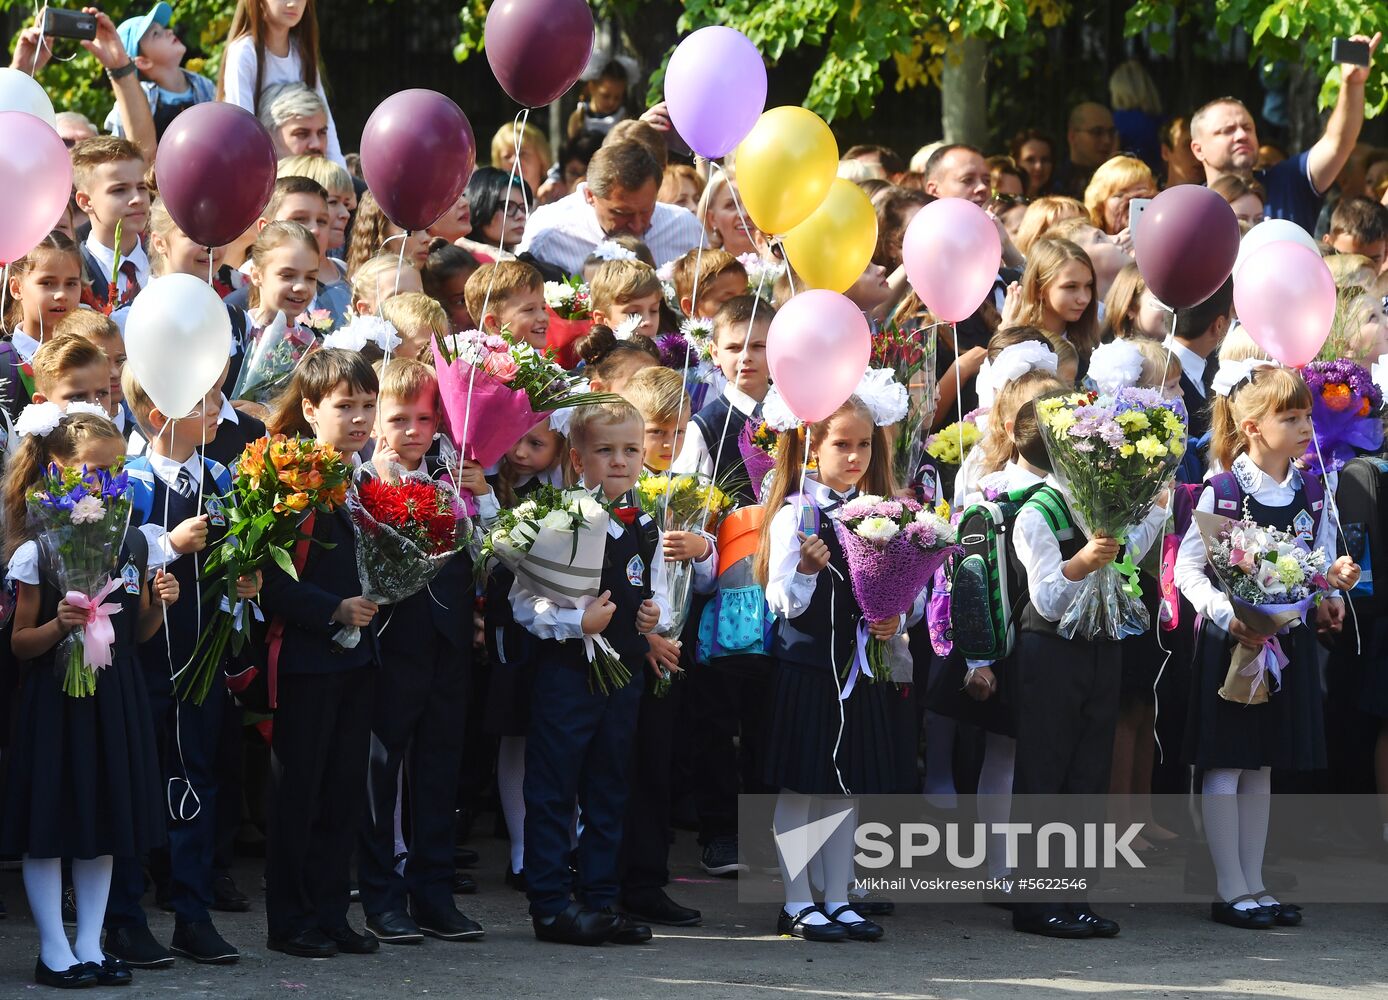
[(374, 760)]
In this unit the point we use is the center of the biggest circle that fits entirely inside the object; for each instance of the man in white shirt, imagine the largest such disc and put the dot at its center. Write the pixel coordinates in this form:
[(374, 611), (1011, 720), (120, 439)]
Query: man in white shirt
[(618, 197)]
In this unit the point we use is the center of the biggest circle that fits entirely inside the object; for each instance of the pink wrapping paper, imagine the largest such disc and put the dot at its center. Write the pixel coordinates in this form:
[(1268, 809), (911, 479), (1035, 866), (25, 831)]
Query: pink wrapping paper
[(500, 415)]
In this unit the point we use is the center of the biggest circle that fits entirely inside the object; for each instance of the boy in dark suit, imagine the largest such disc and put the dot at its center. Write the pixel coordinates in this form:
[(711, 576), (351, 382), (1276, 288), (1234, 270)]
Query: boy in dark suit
[(1199, 332)]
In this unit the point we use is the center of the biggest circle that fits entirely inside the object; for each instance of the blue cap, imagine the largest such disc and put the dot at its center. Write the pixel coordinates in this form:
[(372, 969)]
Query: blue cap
[(133, 29)]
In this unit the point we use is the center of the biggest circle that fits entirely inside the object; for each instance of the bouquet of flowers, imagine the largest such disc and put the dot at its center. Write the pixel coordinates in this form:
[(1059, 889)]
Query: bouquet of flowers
[(494, 390), (1346, 410), (690, 352), (1272, 578), (320, 321), (271, 358), (554, 542), (893, 548), (910, 356), (757, 443), (951, 444), (280, 483), (761, 274), (684, 502), (1112, 455), (81, 517), (406, 530), (569, 303)]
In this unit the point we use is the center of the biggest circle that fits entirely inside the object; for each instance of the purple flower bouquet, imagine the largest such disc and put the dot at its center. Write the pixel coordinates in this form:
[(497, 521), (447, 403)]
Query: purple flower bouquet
[(1346, 411), (893, 548), (757, 443)]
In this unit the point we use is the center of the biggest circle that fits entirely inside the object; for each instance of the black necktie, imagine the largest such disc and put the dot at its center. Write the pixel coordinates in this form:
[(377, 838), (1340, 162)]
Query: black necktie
[(837, 500), (1207, 377)]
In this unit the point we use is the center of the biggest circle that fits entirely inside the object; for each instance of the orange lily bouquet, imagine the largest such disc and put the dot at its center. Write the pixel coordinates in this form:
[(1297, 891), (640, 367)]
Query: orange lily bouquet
[(281, 482)]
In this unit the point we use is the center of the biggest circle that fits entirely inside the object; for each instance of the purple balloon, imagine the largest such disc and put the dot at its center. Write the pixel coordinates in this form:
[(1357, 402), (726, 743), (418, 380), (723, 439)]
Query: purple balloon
[(715, 89), (417, 153), (215, 167), (1186, 244), (538, 48)]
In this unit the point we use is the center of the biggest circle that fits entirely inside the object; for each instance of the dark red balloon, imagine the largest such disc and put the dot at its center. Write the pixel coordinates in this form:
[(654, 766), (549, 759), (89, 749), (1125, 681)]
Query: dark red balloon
[(538, 48), (417, 153), (216, 171), (1186, 244)]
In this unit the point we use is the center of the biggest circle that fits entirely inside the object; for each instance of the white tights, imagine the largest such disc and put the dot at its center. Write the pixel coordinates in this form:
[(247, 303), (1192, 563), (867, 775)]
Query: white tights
[(1236, 805)]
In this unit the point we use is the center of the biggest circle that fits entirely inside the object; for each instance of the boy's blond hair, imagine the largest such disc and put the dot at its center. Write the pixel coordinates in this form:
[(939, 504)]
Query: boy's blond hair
[(141, 406), (412, 310), (87, 324), (619, 281), (658, 394), (366, 279), (405, 379), (1158, 365), (89, 154), (512, 277), (703, 268), (60, 355), (585, 417), (333, 177)]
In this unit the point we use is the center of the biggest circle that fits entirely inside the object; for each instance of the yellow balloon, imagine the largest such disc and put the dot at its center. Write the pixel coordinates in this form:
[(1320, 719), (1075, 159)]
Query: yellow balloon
[(785, 167), (831, 248)]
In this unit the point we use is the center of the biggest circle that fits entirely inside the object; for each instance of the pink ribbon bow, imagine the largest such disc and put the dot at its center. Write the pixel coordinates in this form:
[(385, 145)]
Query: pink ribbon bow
[(1270, 660), (98, 635)]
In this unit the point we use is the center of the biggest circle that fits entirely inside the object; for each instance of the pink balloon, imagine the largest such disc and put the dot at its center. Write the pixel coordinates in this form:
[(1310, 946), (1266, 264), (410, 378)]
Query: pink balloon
[(952, 254), (817, 348), (1285, 295), (36, 176)]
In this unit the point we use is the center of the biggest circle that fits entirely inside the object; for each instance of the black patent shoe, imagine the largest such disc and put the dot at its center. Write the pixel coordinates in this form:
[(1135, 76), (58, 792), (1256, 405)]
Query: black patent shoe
[(576, 925), (858, 930), (653, 906), (627, 931), (1049, 922), (795, 926), (516, 880), (1101, 926), (349, 942), (1256, 919), (306, 944), (112, 972), (75, 977)]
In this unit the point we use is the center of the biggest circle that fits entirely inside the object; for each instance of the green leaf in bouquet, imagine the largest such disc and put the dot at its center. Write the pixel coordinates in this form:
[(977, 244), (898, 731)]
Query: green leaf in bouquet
[(284, 562)]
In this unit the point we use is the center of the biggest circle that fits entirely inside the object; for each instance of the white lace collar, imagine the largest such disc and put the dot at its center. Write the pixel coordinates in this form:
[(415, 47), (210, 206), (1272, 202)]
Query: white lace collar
[(1251, 477)]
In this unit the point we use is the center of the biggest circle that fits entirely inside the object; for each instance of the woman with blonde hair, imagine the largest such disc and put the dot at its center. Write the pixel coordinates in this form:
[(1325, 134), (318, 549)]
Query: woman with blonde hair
[(535, 153), (1042, 214), (727, 228), (1131, 312), (1117, 182)]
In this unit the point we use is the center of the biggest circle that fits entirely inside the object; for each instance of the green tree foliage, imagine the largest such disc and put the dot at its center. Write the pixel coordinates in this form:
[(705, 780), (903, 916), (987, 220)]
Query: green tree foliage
[(1292, 31)]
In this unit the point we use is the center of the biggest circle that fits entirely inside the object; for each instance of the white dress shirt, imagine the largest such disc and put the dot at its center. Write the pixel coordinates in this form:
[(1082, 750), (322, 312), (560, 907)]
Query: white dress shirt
[(547, 620), (1192, 364), (161, 550), (564, 233), (24, 344), (788, 591), (1050, 590), (24, 565), (1206, 596), (695, 454), (106, 257)]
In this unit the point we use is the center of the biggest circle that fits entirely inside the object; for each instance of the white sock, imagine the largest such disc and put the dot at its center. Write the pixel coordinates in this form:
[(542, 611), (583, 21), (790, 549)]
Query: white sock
[(995, 796), (43, 884), (91, 882), (793, 812), (1255, 805), (510, 783), (1220, 808)]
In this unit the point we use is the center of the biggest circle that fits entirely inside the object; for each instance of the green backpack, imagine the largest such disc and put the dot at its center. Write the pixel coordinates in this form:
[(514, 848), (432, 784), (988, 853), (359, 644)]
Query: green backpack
[(985, 592)]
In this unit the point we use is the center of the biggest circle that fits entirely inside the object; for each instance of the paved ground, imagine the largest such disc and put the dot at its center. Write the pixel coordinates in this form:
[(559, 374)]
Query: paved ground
[(966, 951)]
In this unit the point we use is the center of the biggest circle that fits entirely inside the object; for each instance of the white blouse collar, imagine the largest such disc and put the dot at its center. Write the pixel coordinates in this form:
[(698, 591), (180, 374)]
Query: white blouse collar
[(1251, 477)]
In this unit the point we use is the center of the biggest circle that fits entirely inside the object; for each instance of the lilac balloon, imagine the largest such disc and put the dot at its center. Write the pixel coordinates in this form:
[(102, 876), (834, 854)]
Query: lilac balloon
[(538, 48), (715, 89), (952, 253), (1285, 295), (417, 153), (1186, 245), (216, 171), (817, 347), (36, 176)]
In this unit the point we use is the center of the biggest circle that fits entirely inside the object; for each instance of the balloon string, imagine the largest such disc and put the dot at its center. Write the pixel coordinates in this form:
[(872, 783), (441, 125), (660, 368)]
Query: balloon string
[(1339, 527), (688, 352), (404, 239), (746, 343), (4, 305), (518, 125)]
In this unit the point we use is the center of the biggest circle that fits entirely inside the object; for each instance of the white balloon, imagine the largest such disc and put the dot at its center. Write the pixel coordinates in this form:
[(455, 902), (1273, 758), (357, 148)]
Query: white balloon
[(1272, 231), (21, 92), (177, 340)]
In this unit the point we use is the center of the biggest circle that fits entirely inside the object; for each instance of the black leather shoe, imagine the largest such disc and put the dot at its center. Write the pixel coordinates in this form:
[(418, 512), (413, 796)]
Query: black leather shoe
[(1101, 926), (1285, 914), (858, 930), (464, 885), (308, 944), (394, 927), (627, 931), (75, 977), (448, 925), (465, 857), (201, 942), (112, 972), (516, 880), (137, 948), (576, 925), (653, 906), (1049, 922), (1256, 919), (349, 942), (227, 897), (795, 926)]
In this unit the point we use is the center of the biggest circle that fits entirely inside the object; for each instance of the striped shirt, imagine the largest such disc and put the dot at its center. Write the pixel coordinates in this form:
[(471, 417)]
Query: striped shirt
[(565, 233)]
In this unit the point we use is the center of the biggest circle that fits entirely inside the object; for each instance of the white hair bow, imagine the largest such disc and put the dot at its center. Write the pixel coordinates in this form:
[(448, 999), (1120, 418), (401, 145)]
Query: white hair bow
[(885, 397), (1012, 362), (1232, 374), (1116, 365)]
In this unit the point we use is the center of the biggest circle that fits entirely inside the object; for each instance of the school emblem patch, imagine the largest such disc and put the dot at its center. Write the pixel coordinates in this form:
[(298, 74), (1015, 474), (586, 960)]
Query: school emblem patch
[(130, 576), (1302, 525), (635, 570)]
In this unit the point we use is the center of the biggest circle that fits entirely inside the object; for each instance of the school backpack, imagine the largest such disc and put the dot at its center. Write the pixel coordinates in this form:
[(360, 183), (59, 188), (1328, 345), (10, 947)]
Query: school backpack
[(985, 591), (735, 626), (1357, 498)]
